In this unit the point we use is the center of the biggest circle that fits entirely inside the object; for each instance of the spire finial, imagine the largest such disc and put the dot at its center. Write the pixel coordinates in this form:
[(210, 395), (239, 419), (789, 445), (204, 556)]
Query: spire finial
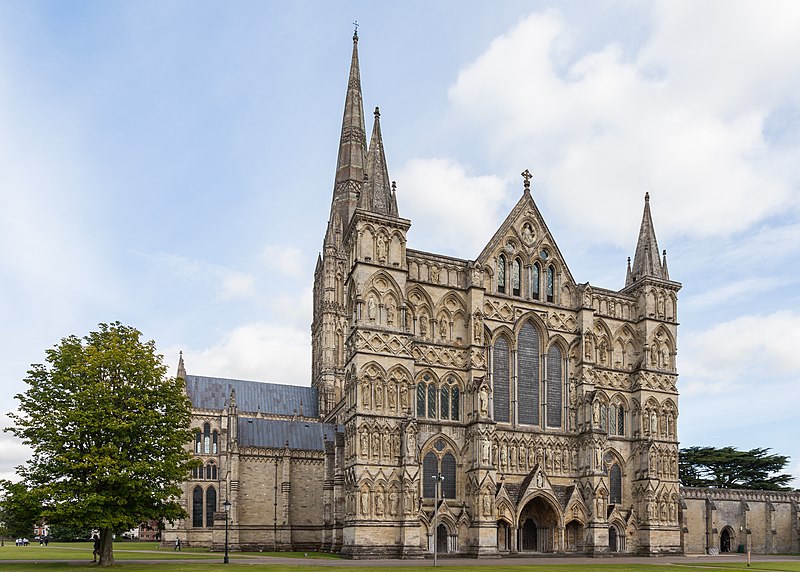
[(647, 197), (526, 174), (355, 31), (394, 186), (377, 112)]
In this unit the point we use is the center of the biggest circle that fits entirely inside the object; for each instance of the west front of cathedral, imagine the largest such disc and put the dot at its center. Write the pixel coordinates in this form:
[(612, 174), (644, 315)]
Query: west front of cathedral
[(478, 407)]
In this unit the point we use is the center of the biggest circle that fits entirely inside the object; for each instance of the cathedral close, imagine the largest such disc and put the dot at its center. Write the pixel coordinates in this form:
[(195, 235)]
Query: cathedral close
[(480, 407)]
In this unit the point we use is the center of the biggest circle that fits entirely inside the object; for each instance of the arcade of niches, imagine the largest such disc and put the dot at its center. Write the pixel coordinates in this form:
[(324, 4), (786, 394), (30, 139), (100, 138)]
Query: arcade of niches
[(482, 407)]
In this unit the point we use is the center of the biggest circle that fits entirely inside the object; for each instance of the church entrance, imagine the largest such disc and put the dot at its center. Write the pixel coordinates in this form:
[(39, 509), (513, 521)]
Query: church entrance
[(725, 540), (529, 543), (441, 539), (613, 539), (539, 529)]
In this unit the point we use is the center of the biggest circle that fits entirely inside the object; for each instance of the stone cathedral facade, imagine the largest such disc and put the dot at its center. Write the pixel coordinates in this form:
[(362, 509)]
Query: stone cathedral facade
[(485, 406)]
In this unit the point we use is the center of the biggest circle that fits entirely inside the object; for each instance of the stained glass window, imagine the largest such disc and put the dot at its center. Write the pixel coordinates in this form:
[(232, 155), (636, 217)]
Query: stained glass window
[(500, 373), (211, 506), (528, 375), (554, 387)]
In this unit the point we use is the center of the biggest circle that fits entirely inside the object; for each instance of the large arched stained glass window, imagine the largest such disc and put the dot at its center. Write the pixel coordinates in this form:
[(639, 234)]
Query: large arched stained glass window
[(449, 474), (430, 468), (211, 506), (528, 375), (615, 485), (501, 378), (554, 386), (197, 507)]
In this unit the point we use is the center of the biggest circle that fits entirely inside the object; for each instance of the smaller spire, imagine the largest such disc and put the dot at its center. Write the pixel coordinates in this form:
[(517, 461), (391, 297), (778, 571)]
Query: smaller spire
[(181, 366), (628, 278), (646, 261), (376, 194), (664, 269), (394, 199)]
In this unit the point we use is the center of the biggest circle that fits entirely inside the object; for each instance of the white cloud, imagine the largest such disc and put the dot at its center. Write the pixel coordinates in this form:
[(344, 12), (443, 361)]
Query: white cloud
[(607, 126), (229, 283), (257, 351), (452, 210), (286, 260), (754, 351)]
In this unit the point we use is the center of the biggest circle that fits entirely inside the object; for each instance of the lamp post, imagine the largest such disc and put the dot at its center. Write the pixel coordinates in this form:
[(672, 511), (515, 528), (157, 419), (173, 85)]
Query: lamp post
[(227, 506), (439, 478)]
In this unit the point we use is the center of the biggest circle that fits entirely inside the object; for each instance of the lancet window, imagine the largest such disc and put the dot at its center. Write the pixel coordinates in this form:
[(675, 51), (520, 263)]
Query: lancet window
[(554, 386), (528, 374), (438, 400), (443, 463), (501, 379)]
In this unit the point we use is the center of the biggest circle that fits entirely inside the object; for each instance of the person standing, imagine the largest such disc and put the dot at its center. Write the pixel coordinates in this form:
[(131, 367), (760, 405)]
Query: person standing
[(177, 545), (96, 550)]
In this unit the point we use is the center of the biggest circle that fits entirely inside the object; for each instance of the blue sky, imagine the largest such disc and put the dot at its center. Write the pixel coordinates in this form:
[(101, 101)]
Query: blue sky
[(170, 165)]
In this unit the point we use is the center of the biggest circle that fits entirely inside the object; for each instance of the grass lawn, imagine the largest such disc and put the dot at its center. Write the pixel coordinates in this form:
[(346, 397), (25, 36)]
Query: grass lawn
[(55, 557)]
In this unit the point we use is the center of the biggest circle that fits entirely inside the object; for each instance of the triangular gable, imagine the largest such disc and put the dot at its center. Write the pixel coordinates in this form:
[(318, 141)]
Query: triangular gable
[(524, 229), (536, 481)]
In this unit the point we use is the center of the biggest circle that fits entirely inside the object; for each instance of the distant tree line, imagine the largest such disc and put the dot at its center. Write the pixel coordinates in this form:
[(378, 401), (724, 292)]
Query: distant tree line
[(729, 468)]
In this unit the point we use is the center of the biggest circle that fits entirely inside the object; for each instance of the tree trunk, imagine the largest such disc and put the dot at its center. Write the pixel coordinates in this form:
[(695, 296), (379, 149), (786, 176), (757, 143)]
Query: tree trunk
[(106, 547)]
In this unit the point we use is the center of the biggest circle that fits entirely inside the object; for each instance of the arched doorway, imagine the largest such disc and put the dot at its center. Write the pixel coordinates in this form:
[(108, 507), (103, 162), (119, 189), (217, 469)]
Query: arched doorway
[(529, 543), (539, 524), (441, 539), (613, 539), (725, 540)]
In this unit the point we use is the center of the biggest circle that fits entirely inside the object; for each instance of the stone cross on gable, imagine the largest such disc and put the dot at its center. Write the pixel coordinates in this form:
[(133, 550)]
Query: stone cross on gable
[(526, 174)]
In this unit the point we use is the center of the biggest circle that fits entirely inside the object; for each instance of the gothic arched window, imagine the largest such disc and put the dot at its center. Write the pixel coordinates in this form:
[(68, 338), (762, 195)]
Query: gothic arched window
[(501, 274), (195, 471), (206, 438), (211, 506), (433, 465), (536, 281), (501, 379), (421, 394), (432, 400), (516, 268), (197, 507), (454, 403), (615, 485), (215, 442), (551, 279), (528, 374), (198, 442), (554, 387)]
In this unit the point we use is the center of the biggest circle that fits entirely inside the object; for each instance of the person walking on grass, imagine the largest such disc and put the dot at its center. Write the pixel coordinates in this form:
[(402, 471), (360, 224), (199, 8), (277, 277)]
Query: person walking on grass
[(96, 551), (177, 545)]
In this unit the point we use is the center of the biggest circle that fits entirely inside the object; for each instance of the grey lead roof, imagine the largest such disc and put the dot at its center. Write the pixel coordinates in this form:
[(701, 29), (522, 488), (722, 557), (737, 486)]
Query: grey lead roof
[(275, 433), (252, 396)]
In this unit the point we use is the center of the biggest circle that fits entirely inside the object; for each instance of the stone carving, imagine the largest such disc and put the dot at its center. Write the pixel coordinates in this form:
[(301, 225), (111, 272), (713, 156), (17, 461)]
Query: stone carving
[(477, 328), (393, 503), (487, 505), (435, 274), (404, 396), (379, 503), (483, 402), (364, 502), (423, 326), (486, 451), (391, 397), (527, 234), (381, 247), (390, 313), (372, 308), (443, 330)]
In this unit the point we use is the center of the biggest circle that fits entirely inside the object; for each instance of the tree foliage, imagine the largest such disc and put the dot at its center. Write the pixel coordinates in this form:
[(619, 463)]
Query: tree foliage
[(20, 509), (729, 468), (108, 430)]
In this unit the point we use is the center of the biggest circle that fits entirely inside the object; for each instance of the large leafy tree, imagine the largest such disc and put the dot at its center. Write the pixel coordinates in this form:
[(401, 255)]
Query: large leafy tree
[(729, 468), (108, 429)]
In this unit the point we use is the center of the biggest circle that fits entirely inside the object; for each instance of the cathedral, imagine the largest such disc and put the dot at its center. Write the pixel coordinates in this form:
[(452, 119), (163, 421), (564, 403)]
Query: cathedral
[(480, 407)]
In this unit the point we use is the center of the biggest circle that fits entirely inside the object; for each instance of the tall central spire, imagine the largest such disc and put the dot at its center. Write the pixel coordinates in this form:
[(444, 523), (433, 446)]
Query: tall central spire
[(352, 161)]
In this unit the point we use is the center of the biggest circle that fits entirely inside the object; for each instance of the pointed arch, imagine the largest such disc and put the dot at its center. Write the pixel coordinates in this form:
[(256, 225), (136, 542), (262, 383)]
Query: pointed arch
[(501, 378)]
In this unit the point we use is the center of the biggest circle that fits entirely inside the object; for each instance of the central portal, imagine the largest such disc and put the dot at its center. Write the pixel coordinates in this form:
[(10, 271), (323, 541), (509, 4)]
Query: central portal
[(539, 527)]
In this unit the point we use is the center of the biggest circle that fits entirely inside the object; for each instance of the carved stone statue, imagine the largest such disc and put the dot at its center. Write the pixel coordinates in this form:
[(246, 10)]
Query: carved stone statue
[(483, 402), (393, 503), (443, 329), (423, 326), (379, 503), (381, 247), (486, 451), (435, 274), (477, 329), (364, 502), (527, 234), (403, 396), (391, 396), (487, 505), (372, 308)]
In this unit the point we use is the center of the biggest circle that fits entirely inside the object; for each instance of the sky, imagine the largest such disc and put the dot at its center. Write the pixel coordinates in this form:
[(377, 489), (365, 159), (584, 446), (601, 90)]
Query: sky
[(170, 165)]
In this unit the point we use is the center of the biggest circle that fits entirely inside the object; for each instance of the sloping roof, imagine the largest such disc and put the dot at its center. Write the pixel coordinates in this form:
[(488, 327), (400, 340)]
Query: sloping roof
[(253, 396), (275, 433)]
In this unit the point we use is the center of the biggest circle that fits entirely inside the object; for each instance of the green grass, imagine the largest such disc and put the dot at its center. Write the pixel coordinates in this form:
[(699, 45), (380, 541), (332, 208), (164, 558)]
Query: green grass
[(57, 557)]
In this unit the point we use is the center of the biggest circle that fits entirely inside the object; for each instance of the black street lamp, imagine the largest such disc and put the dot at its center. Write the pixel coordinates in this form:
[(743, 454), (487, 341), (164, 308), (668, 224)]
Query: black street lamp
[(227, 506)]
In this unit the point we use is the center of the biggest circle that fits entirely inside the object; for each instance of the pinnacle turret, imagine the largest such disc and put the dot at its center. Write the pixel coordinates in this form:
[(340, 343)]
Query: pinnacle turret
[(181, 367), (377, 194), (646, 261)]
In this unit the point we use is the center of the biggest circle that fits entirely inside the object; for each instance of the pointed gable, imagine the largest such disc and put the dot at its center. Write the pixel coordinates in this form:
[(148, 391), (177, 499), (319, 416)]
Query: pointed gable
[(524, 233)]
